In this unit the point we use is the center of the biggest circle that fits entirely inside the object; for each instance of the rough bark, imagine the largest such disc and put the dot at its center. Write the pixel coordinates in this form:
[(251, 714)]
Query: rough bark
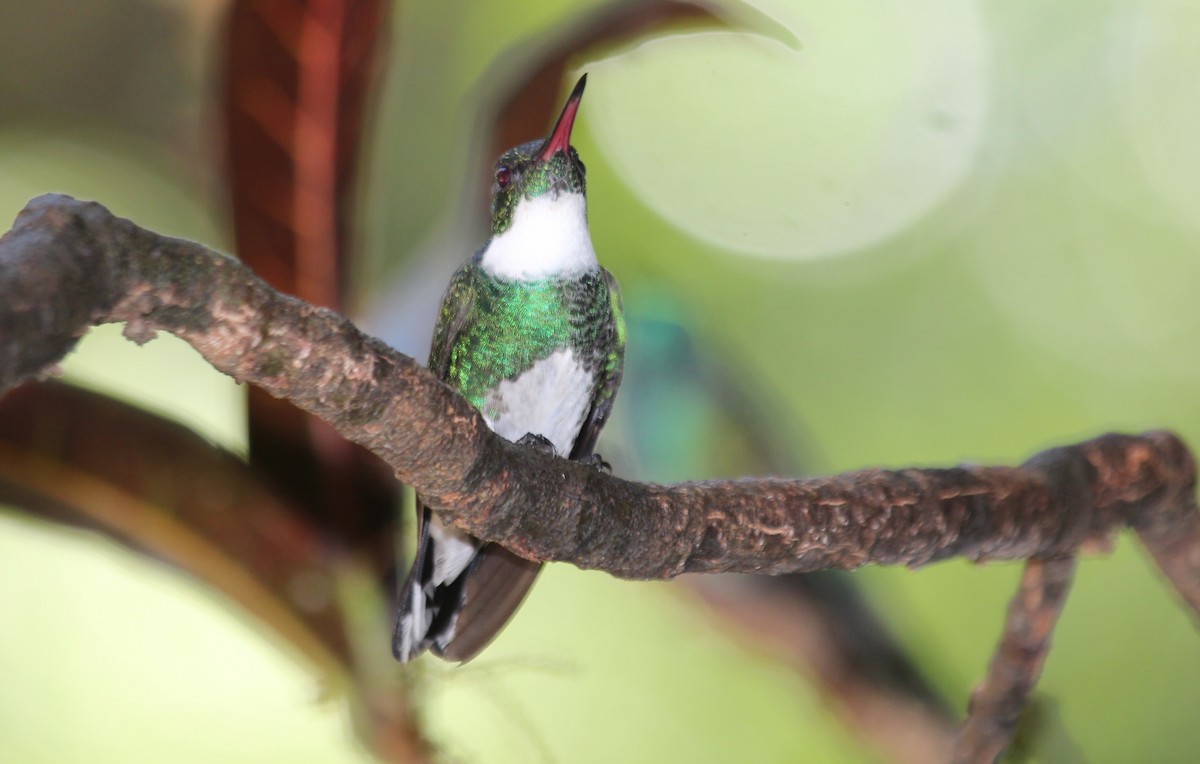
[(67, 265)]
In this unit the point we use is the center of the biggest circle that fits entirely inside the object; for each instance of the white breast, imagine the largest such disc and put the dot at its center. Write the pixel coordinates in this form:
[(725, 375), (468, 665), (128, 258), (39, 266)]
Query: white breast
[(548, 237), (551, 399)]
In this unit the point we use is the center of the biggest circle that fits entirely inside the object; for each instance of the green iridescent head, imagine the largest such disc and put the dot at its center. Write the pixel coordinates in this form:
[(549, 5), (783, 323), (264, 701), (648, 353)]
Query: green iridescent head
[(538, 168)]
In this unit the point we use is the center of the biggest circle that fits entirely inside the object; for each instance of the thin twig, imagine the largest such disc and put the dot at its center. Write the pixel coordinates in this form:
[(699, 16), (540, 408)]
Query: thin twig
[(997, 703), (1173, 540)]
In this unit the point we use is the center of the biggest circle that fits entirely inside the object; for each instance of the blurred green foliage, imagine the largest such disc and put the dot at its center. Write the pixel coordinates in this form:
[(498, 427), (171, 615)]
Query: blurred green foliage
[(932, 235)]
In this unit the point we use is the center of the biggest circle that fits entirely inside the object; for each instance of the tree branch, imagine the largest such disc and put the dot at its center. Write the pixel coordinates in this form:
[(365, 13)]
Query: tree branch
[(67, 265)]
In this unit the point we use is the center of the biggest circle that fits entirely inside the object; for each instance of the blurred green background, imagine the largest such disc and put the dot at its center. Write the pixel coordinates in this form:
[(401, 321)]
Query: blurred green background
[(928, 233)]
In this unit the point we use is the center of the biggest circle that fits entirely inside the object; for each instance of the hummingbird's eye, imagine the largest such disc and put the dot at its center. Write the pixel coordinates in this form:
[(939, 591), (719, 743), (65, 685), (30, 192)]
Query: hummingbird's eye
[(503, 177)]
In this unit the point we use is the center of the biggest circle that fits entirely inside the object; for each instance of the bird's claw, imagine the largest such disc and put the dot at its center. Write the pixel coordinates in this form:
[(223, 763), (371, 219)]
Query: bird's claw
[(542, 444), (596, 461), (539, 443)]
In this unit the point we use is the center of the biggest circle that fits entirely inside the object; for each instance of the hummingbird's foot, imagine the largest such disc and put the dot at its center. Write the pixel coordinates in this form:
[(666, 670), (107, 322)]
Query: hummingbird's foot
[(596, 461), (539, 443)]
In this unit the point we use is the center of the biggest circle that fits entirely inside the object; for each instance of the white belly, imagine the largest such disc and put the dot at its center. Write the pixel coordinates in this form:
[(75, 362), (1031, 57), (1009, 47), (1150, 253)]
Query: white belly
[(551, 399)]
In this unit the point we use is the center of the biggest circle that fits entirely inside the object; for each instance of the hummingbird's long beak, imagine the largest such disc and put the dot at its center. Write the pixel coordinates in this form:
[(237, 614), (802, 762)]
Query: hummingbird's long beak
[(560, 136)]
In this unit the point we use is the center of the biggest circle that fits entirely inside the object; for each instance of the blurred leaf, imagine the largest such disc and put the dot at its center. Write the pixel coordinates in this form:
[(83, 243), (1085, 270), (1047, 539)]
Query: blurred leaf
[(298, 74), (297, 77), (73, 456)]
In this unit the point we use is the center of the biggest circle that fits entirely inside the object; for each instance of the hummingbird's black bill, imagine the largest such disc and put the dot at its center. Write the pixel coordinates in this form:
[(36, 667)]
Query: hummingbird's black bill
[(560, 136)]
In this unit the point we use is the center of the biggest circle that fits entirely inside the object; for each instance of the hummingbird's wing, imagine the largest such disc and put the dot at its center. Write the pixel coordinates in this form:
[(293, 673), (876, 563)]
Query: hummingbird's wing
[(431, 593), (610, 375), (493, 586), (460, 592), (452, 318)]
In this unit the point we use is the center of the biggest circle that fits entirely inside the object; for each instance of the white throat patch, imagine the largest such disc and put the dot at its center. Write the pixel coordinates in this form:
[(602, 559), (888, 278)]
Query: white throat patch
[(548, 237)]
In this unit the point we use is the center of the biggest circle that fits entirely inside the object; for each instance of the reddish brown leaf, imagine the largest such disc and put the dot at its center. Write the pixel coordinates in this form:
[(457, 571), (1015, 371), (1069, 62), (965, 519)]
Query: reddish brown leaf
[(296, 82), (82, 458), (76, 457)]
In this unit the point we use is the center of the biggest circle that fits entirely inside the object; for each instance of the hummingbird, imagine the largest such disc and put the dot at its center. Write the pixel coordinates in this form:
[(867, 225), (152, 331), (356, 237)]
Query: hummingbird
[(531, 331)]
